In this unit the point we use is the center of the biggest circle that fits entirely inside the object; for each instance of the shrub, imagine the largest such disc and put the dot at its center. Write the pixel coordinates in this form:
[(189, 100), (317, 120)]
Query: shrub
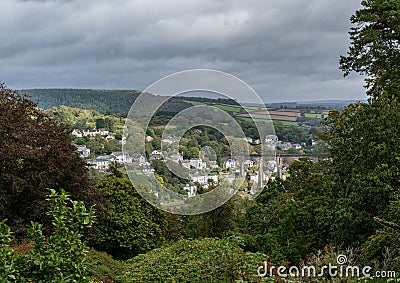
[(58, 258), (205, 260)]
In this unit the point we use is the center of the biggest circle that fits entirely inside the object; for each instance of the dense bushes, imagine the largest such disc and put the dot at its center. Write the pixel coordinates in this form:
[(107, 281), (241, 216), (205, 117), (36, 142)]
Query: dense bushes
[(59, 258), (132, 226), (205, 260), (36, 154)]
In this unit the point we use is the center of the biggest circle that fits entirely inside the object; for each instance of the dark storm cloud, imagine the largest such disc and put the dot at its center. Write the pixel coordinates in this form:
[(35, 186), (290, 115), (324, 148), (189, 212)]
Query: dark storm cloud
[(286, 50)]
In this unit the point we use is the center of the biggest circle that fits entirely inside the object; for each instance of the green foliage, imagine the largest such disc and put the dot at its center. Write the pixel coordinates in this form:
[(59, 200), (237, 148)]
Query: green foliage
[(104, 101), (172, 181), (132, 226), (59, 258), (293, 134), (293, 217), (206, 260), (364, 144), (11, 264), (382, 248), (36, 154), (88, 119), (215, 223), (100, 123), (103, 268), (374, 49)]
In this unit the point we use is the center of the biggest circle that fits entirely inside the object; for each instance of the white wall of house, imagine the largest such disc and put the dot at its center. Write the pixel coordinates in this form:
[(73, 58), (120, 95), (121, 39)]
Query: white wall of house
[(191, 190)]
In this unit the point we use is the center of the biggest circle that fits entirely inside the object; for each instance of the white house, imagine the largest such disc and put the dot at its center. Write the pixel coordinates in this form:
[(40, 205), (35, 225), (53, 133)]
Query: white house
[(248, 139), (77, 133), (230, 164), (121, 157), (271, 139), (253, 177), (169, 140), (95, 132), (83, 151), (285, 146), (197, 163), (146, 169), (297, 146), (191, 189), (248, 163), (123, 140), (103, 132), (138, 159), (156, 152), (100, 163), (213, 178), (204, 179)]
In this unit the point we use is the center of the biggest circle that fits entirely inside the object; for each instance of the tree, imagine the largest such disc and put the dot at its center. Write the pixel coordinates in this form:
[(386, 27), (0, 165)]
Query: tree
[(293, 217), (382, 247), (133, 226), (213, 224), (36, 154), (364, 142), (101, 123), (375, 46), (364, 139), (60, 257)]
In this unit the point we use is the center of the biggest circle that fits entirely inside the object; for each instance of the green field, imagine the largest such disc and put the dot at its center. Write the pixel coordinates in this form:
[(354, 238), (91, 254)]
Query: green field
[(227, 107), (288, 123), (309, 115), (256, 120), (195, 103), (236, 110)]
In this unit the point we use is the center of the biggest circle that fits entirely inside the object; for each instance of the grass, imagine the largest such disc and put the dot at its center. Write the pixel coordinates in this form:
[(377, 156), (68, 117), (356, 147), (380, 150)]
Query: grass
[(287, 123), (310, 115), (255, 120), (226, 107), (195, 103), (229, 107)]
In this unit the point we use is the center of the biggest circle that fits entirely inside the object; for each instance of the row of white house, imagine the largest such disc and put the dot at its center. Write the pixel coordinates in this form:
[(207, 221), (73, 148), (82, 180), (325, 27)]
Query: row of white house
[(102, 162), (90, 133)]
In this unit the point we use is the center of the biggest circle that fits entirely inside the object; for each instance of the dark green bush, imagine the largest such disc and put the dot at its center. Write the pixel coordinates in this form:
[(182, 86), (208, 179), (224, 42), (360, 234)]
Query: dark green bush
[(60, 257), (205, 260)]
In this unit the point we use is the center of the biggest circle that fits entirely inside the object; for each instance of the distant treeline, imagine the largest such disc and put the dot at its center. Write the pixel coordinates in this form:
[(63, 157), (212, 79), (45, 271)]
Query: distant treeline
[(210, 100), (104, 101)]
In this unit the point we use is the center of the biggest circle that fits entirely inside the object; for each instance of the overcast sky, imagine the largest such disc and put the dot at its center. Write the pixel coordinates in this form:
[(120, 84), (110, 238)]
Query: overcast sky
[(287, 50)]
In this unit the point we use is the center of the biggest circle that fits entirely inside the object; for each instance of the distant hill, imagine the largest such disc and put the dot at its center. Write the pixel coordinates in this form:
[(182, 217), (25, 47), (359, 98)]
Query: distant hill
[(120, 101), (323, 104), (329, 103), (104, 101)]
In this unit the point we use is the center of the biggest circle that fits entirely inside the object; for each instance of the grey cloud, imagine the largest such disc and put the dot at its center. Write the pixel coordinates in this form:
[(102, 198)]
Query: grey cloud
[(286, 48)]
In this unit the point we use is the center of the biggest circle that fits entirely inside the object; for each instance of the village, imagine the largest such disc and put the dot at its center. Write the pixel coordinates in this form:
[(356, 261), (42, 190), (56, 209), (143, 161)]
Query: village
[(204, 171)]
